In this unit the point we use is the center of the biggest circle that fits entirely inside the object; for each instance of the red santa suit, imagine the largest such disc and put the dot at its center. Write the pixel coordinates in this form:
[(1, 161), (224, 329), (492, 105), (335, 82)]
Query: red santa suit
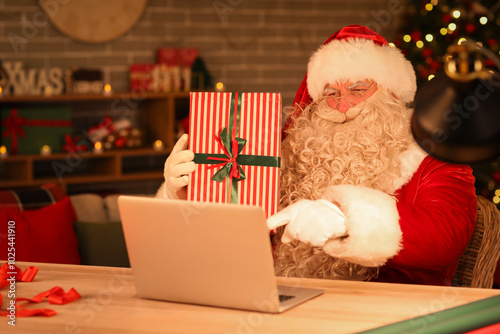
[(439, 201), (417, 237), (417, 231)]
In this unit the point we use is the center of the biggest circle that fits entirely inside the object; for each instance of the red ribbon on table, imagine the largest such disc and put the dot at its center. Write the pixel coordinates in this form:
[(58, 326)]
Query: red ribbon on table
[(56, 295), (14, 127)]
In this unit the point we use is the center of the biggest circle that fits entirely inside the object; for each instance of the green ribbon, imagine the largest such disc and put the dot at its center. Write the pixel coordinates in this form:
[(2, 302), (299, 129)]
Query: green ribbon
[(231, 167)]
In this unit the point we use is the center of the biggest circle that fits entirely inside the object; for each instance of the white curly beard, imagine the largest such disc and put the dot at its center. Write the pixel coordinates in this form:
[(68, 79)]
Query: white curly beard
[(323, 150)]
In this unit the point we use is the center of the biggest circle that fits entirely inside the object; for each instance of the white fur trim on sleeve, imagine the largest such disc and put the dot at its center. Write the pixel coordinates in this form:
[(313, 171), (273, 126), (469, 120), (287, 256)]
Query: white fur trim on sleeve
[(372, 224), (410, 161)]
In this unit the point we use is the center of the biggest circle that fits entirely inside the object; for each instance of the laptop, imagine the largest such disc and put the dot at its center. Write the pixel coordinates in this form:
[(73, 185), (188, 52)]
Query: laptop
[(204, 253)]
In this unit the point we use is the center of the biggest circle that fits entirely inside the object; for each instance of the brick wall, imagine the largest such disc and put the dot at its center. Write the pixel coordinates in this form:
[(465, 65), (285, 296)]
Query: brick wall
[(249, 45)]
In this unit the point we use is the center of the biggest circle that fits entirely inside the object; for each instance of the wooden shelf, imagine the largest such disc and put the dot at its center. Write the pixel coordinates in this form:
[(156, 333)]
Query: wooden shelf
[(70, 168), (158, 117), (91, 97)]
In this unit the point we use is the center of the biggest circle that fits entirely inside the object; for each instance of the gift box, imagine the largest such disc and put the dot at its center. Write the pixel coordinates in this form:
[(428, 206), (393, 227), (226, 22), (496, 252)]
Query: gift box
[(175, 66), (26, 130), (236, 139), (145, 77), (169, 60), (188, 56), (168, 56)]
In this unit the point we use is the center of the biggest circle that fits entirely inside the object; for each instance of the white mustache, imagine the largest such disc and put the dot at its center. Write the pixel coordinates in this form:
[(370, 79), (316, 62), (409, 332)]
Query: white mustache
[(338, 117)]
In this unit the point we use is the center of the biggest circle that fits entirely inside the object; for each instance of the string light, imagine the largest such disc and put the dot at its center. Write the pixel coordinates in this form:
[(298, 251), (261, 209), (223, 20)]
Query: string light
[(392, 45), (452, 26), (429, 7), (430, 77), (461, 40), (483, 20), (429, 37), (497, 192), (420, 44), (496, 199), (443, 31), (407, 38), (434, 2), (456, 14)]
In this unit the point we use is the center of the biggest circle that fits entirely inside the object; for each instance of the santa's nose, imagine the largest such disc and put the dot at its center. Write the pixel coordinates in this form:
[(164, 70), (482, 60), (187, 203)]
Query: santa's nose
[(340, 105), (343, 106)]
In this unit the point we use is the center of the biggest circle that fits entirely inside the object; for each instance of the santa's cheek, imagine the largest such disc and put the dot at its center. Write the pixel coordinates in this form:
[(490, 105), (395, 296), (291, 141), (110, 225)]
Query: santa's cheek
[(332, 104)]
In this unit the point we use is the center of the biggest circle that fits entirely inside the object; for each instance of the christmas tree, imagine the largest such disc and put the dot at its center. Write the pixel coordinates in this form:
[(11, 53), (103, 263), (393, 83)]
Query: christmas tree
[(429, 27), (426, 31)]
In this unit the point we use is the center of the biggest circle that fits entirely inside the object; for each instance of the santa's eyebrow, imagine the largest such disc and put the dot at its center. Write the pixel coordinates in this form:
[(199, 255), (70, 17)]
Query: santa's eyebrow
[(329, 90), (358, 84)]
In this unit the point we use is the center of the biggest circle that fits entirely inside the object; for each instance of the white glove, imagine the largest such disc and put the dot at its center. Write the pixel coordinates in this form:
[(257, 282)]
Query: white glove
[(312, 222), (178, 166)]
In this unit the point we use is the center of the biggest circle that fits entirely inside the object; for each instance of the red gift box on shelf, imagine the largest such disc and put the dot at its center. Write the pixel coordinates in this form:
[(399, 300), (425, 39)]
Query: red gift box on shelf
[(175, 67), (145, 77), (236, 139), (168, 56), (169, 63)]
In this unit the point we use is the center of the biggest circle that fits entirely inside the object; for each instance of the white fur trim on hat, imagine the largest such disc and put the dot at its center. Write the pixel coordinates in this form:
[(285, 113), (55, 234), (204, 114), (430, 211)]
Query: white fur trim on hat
[(357, 59), (372, 224)]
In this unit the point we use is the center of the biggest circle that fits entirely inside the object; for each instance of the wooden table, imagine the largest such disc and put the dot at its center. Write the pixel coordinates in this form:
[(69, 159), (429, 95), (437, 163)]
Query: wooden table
[(109, 305)]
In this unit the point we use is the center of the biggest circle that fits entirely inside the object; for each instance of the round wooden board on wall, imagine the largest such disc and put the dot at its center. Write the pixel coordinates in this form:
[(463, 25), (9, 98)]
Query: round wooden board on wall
[(93, 21)]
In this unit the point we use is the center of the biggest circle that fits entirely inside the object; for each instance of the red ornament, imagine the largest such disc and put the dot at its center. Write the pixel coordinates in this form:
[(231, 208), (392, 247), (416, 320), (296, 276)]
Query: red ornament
[(120, 142), (496, 176), (446, 18), (436, 65), (470, 28), (424, 73), (492, 41), (427, 52), (416, 35)]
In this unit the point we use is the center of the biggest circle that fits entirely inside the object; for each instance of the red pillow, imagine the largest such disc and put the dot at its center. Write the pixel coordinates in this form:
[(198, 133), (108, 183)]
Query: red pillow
[(43, 235)]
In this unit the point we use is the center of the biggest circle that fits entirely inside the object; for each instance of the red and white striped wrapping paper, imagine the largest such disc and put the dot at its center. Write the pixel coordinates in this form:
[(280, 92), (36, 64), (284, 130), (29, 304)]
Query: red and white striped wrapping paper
[(260, 125)]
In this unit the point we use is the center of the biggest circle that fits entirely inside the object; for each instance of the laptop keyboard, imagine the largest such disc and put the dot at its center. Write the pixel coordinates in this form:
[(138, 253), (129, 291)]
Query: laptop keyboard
[(285, 297)]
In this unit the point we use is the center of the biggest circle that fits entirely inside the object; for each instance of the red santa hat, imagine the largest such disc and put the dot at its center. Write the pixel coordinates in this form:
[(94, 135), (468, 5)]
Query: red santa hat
[(356, 53)]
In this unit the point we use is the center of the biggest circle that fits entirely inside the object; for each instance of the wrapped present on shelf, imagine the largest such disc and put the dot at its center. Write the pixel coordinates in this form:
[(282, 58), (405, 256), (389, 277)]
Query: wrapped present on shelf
[(145, 77), (236, 139), (187, 58), (26, 130), (169, 62), (107, 126)]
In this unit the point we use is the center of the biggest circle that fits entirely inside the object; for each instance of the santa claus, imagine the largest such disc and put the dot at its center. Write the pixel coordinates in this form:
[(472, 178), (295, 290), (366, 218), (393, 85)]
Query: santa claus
[(360, 200)]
